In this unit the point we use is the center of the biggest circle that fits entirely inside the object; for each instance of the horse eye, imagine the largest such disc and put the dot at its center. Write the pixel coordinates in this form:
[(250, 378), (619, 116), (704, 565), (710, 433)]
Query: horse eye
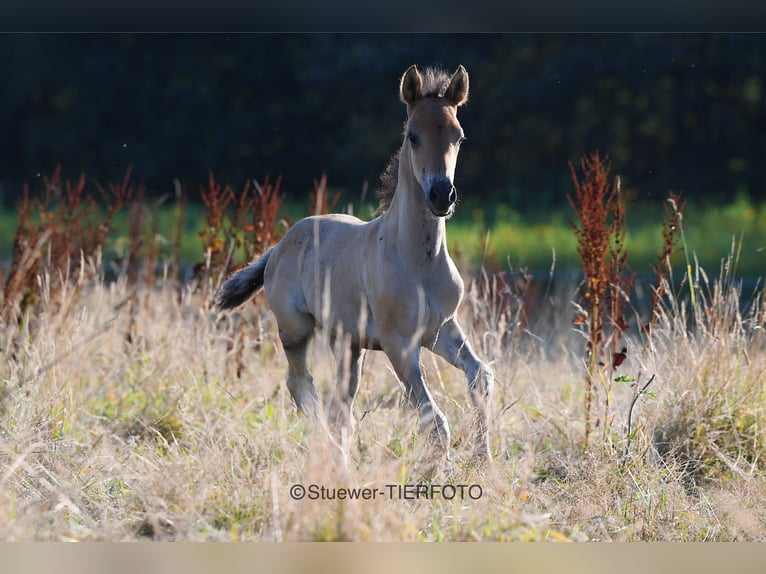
[(414, 140)]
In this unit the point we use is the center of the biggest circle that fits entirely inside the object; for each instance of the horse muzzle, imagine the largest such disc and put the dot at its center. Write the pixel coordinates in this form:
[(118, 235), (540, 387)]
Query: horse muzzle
[(441, 198)]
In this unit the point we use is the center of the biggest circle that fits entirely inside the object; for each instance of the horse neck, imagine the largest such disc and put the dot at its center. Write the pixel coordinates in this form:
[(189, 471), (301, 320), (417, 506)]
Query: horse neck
[(420, 235)]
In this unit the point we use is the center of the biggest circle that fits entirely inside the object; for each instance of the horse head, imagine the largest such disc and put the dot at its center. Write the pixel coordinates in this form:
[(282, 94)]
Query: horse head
[(433, 134)]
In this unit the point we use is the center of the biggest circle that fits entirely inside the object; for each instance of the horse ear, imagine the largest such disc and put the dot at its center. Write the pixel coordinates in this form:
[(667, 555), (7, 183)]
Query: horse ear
[(457, 91), (411, 87)]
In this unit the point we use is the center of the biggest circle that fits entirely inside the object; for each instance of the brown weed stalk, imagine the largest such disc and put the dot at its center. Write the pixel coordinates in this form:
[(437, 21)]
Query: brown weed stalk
[(59, 230), (244, 221), (237, 222), (600, 231), (672, 220), (253, 229), (180, 221), (216, 199), (25, 259), (258, 218)]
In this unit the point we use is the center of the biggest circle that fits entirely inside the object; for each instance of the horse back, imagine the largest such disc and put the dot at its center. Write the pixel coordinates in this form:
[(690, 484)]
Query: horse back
[(317, 269)]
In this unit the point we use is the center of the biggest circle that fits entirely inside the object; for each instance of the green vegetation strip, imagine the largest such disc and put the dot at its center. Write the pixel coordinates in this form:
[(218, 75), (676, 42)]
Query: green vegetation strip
[(497, 236)]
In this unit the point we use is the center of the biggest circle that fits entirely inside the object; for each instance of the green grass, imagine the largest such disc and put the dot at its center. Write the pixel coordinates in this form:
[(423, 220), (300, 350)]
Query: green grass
[(8, 225), (501, 236), (498, 236)]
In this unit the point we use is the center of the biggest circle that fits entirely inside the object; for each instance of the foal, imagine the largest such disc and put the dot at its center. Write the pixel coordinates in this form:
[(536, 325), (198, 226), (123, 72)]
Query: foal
[(388, 284)]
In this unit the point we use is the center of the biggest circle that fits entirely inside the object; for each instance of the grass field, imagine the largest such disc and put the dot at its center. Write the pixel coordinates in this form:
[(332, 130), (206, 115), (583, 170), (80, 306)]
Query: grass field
[(123, 418), (130, 410)]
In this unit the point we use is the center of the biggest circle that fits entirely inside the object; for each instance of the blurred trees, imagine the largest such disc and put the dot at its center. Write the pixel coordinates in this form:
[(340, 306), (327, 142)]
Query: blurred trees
[(682, 112)]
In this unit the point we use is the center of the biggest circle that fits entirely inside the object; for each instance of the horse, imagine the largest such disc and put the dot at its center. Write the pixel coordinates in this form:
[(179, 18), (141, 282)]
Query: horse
[(387, 284)]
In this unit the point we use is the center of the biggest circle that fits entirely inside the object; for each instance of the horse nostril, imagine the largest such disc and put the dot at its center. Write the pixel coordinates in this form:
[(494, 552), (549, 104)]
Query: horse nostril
[(452, 195)]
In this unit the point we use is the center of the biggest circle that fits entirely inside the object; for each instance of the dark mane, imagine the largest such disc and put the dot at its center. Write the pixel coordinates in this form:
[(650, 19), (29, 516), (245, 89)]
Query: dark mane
[(388, 179), (435, 83)]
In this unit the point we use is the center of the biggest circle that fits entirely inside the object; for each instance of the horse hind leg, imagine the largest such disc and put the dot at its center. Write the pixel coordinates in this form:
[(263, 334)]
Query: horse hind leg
[(300, 383), (296, 329)]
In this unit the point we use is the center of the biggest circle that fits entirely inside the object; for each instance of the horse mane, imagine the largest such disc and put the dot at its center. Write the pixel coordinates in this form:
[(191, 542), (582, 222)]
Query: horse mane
[(387, 188), (435, 83)]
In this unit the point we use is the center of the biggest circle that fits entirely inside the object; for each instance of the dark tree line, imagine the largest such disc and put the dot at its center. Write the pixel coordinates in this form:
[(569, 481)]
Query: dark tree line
[(682, 112)]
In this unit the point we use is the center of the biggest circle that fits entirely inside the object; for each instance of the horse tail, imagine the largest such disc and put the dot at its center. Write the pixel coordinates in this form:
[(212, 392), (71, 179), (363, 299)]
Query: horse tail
[(243, 284)]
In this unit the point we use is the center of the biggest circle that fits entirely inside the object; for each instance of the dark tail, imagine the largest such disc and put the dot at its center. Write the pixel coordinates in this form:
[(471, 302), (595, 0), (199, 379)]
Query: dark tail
[(243, 284)]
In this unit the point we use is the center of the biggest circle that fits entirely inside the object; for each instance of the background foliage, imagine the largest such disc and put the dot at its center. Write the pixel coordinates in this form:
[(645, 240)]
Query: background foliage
[(681, 112)]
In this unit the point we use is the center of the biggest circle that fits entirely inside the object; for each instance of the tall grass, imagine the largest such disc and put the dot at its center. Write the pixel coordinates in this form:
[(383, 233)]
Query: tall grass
[(165, 421)]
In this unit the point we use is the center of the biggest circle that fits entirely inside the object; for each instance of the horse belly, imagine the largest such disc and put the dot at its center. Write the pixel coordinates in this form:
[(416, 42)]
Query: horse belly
[(348, 314)]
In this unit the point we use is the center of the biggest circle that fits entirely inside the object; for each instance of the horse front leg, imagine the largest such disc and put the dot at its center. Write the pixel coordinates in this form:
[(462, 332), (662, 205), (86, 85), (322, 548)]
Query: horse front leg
[(405, 358), (451, 344)]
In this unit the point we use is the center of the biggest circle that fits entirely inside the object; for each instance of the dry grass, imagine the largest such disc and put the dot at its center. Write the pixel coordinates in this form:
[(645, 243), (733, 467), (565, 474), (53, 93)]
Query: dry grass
[(154, 436), (130, 410)]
